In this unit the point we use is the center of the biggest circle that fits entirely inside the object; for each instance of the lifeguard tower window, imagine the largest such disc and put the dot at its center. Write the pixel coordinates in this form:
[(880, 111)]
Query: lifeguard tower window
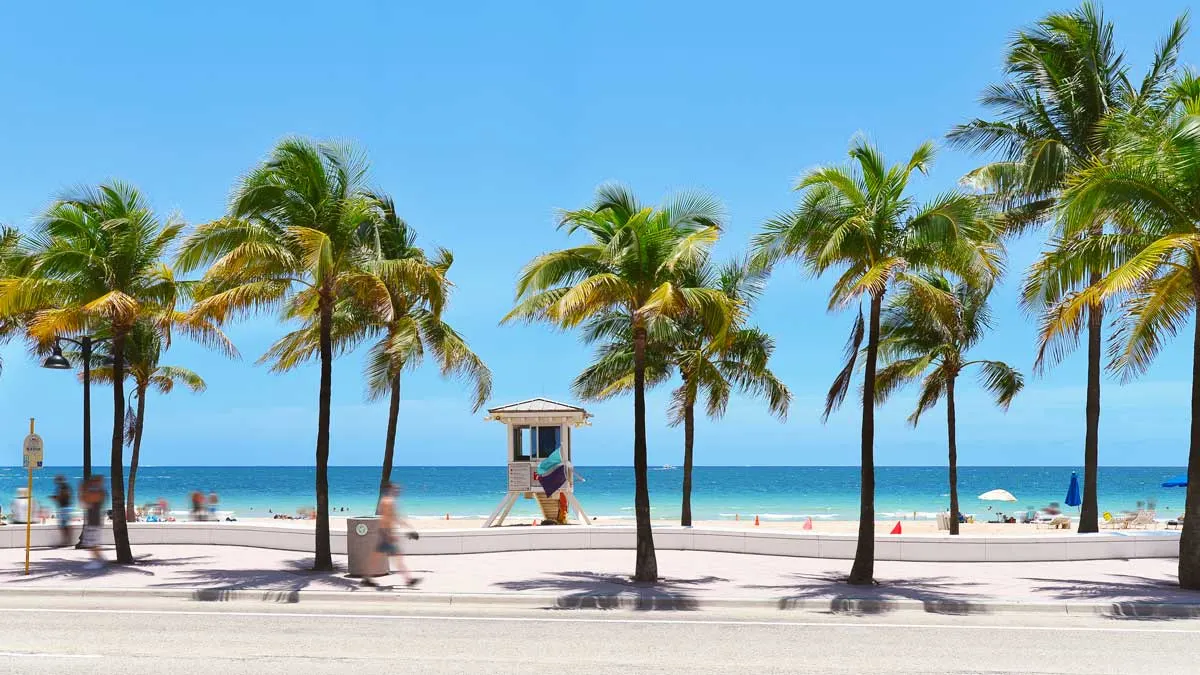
[(535, 442)]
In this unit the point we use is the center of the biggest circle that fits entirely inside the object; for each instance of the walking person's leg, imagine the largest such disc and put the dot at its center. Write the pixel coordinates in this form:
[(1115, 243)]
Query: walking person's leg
[(398, 559)]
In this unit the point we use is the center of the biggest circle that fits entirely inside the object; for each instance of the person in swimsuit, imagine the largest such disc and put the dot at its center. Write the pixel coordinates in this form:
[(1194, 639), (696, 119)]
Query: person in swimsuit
[(389, 545)]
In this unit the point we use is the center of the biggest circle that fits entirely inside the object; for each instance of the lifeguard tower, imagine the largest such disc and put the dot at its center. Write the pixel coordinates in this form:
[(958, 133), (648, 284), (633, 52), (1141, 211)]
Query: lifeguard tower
[(536, 428)]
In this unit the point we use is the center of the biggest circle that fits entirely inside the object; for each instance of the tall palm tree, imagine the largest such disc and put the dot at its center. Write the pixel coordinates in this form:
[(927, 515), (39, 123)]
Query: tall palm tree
[(632, 266), (1150, 186), (96, 266), (1064, 77), (143, 352), (297, 235), (916, 342), (860, 219), (406, 327), (708, 366)]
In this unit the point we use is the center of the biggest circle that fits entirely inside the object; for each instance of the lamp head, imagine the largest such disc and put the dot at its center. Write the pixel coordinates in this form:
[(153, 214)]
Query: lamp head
[(56, 360)]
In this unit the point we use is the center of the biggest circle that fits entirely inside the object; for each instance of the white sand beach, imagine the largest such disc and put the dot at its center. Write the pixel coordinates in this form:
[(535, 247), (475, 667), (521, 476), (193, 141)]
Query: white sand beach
[(924, 527)]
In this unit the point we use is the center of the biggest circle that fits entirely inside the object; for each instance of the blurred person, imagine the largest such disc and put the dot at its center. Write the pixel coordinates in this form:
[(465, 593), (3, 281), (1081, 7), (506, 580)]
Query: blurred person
[(92, 495), (23, 509), (212, 506), (389, 545), (197, 505), (62, 501)]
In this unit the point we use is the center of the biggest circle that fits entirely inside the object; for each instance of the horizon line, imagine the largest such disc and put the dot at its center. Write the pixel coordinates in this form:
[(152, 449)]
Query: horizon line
[(617, 466)]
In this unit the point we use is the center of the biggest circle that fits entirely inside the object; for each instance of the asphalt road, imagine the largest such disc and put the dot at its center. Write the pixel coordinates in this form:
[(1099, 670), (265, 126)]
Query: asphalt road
[(76, 635)]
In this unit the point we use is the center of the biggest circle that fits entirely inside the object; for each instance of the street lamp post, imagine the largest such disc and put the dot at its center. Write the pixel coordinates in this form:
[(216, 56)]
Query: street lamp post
[(57, 361)]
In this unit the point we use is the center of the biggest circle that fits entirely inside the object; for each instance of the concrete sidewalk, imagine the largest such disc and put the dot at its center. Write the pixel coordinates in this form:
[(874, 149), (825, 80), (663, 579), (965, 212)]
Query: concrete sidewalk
[(691, 580)]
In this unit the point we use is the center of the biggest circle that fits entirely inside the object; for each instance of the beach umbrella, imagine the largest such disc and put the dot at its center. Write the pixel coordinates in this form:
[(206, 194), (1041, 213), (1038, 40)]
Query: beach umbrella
[(1177, 481), (998, 496), (1073, 492)]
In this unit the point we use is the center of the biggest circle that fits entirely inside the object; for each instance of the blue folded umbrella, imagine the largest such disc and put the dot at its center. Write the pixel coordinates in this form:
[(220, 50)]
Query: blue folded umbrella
[(1177, 481), (1073, 491)]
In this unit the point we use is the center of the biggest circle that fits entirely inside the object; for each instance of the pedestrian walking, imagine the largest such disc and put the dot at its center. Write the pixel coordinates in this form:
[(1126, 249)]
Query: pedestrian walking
[(62, 501), (389, 545), (93, 496)]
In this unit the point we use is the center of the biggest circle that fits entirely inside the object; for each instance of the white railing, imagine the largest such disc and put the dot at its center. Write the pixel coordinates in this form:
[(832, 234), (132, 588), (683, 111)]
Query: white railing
[(940, 548)]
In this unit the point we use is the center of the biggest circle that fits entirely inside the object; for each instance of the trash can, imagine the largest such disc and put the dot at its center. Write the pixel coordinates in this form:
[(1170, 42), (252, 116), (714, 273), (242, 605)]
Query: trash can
[(362, 542)]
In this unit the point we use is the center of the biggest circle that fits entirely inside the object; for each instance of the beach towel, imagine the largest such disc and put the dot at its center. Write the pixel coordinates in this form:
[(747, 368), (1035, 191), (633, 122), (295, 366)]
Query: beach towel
[(548, 465), (554, 480)]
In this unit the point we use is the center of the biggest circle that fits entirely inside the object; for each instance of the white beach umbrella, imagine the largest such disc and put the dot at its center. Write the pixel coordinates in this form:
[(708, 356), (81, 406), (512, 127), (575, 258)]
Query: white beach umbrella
[(998, 496)]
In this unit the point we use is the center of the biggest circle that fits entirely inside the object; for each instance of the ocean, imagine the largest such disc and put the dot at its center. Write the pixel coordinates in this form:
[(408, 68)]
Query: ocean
[(719, 493)]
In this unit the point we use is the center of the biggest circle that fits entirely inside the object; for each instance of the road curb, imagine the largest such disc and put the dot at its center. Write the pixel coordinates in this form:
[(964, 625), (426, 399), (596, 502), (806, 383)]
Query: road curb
[(647, 601)]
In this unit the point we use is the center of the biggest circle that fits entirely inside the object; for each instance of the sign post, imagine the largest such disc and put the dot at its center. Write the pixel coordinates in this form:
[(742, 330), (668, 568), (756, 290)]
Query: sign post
[(32, 448)]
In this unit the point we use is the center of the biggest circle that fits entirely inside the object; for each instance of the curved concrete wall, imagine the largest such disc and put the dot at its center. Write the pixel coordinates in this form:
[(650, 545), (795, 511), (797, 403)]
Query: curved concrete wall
[(1041, 547)]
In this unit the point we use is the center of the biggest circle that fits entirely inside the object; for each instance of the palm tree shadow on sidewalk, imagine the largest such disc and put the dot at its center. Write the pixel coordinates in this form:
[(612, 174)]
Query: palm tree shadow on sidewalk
[(1132, 596), (281, 584), (71, 569), (937, 595), (592, 590)]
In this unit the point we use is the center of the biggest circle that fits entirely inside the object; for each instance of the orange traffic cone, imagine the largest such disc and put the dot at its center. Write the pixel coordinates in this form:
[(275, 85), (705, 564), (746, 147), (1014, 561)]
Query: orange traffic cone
[(896, 529), (756, 521), (808, 523)]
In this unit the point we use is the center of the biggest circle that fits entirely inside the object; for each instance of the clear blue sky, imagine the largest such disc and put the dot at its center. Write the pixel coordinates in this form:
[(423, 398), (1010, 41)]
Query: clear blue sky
[(481, 119)]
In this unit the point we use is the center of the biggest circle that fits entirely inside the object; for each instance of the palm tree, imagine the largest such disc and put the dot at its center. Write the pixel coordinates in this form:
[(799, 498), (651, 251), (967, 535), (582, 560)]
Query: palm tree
[(916, 342), (13, 263), (707, 366), (143, 351), (859, 218), (297, 236), (631, 266), (1065, 76), (96, 265), (406, 327), (1150, 187)]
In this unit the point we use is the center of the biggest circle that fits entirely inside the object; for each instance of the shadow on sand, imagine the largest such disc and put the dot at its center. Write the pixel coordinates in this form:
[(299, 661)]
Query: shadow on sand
[(575, 590), (937, 595)]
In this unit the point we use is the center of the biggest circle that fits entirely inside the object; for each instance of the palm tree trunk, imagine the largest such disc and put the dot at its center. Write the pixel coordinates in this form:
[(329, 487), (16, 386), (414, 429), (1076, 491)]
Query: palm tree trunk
[(389, 443), (863, 570), (130, 501), (646, 567), (689, 436), (953, 443), (323, 558), (87, 406), (1089, 513), (120, 527), (1189, 538)]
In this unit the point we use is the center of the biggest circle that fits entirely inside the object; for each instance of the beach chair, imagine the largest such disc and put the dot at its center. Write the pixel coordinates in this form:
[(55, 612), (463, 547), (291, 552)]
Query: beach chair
[(1176, 523), (1060, 523), (1144, 520), (1119, 522)]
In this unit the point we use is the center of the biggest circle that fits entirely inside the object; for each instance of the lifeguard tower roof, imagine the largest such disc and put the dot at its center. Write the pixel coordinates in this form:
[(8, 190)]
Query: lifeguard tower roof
[(539, 411), (538, 405)]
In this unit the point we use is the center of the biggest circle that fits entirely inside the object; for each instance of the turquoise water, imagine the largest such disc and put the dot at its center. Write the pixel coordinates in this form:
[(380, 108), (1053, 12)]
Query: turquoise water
[(772, 493)]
